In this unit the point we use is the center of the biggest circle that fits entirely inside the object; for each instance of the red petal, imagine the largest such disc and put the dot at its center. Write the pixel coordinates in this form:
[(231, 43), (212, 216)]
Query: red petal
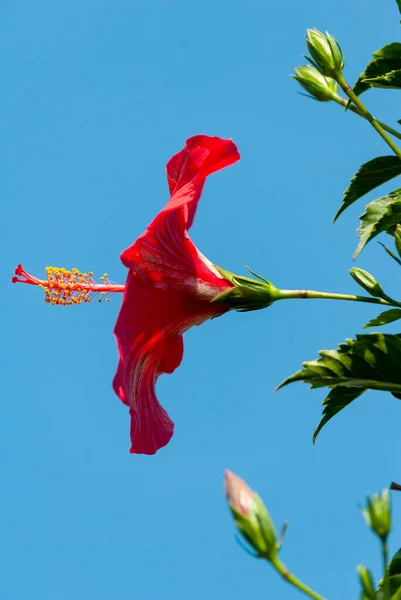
[(168, 290), (186, 174), (149, 336)]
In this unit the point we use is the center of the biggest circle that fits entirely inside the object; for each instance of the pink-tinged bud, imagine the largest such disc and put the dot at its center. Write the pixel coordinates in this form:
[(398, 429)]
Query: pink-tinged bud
[(251, 516)]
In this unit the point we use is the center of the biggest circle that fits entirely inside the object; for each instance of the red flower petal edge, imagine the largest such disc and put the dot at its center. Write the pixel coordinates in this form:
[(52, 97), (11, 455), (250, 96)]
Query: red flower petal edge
[(169, 288)]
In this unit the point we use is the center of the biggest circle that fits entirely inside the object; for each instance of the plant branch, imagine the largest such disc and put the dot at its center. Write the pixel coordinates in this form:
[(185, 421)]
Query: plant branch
[(343, 102), (366, 114), (386, 583)]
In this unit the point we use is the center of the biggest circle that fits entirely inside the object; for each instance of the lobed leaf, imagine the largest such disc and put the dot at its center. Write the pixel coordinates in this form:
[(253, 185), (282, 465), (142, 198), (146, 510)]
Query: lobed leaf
[(390, 80), (371, 361), (384, 61), (338, 399), (388, 316), (369, 176), (391, 253), (380, 215)]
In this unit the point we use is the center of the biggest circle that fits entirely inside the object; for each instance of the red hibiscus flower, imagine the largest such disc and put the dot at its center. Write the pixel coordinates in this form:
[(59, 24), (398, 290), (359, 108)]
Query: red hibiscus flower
[(169, 288)]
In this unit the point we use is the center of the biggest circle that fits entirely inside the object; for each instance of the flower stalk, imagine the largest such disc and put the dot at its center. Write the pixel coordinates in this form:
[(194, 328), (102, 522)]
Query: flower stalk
[(290, 578), (366, 114), (344, 103), (255, 524), (316, 295)]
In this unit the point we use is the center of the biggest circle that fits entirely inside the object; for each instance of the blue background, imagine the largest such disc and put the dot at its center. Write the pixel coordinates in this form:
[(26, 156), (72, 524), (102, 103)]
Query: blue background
[(97, 95)]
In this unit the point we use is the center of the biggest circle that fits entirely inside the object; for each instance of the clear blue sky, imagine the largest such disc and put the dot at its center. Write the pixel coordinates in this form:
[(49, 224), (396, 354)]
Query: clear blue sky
[(97, 95)]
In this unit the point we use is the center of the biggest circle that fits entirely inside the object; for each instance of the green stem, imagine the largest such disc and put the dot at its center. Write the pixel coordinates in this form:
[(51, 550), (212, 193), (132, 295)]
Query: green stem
[(343, 102), (284, 572), (386, 583), (366, 114), (311, 294)]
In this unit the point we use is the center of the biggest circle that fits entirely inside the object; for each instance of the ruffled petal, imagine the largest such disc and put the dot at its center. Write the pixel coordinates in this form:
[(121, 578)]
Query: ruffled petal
[(168, 290), (186, 175), (149, 332)]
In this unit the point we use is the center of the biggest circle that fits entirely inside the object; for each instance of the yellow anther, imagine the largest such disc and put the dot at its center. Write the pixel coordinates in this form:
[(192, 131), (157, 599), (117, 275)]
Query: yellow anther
[(64, 287)]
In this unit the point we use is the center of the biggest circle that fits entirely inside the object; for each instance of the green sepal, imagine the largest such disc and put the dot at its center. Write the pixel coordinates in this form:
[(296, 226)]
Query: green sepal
[(326, 53), (257, 528), (247, 294), (320, 88), (378, 514)]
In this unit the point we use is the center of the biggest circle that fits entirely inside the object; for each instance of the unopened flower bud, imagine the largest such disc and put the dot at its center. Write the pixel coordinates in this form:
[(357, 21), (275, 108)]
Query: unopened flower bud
[(378, 514), (367, 282), (317, 85), (251, 516), (368, 587), (326, 53)]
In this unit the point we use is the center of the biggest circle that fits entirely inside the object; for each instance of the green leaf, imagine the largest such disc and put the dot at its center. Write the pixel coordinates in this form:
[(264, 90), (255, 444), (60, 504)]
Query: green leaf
[(368, 177), (397, 594), (394, 573), (397, 238), (380, 215), (399, 5), (388, 316), (371, 361), (384, 61), (390, 253), (390, 80), (338, 399)]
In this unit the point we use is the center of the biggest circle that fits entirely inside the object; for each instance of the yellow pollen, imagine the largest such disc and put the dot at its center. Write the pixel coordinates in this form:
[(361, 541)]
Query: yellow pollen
[(65, 287)]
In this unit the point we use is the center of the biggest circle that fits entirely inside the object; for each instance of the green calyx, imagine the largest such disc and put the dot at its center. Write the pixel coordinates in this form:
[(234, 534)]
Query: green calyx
[(318, 86), (378, 514), (257, 529), (325, 53), (247, 294)]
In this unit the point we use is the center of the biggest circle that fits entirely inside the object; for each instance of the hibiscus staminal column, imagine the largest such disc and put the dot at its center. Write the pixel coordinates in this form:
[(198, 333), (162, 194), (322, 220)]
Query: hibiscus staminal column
[(64, 287)]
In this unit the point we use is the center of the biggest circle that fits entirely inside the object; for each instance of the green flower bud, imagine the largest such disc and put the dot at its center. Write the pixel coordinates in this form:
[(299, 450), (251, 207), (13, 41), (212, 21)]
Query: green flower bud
[(251, 516), (317, 85), (247, 294), (368, 587), (326, 53), (378, 514), (367, 282)]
